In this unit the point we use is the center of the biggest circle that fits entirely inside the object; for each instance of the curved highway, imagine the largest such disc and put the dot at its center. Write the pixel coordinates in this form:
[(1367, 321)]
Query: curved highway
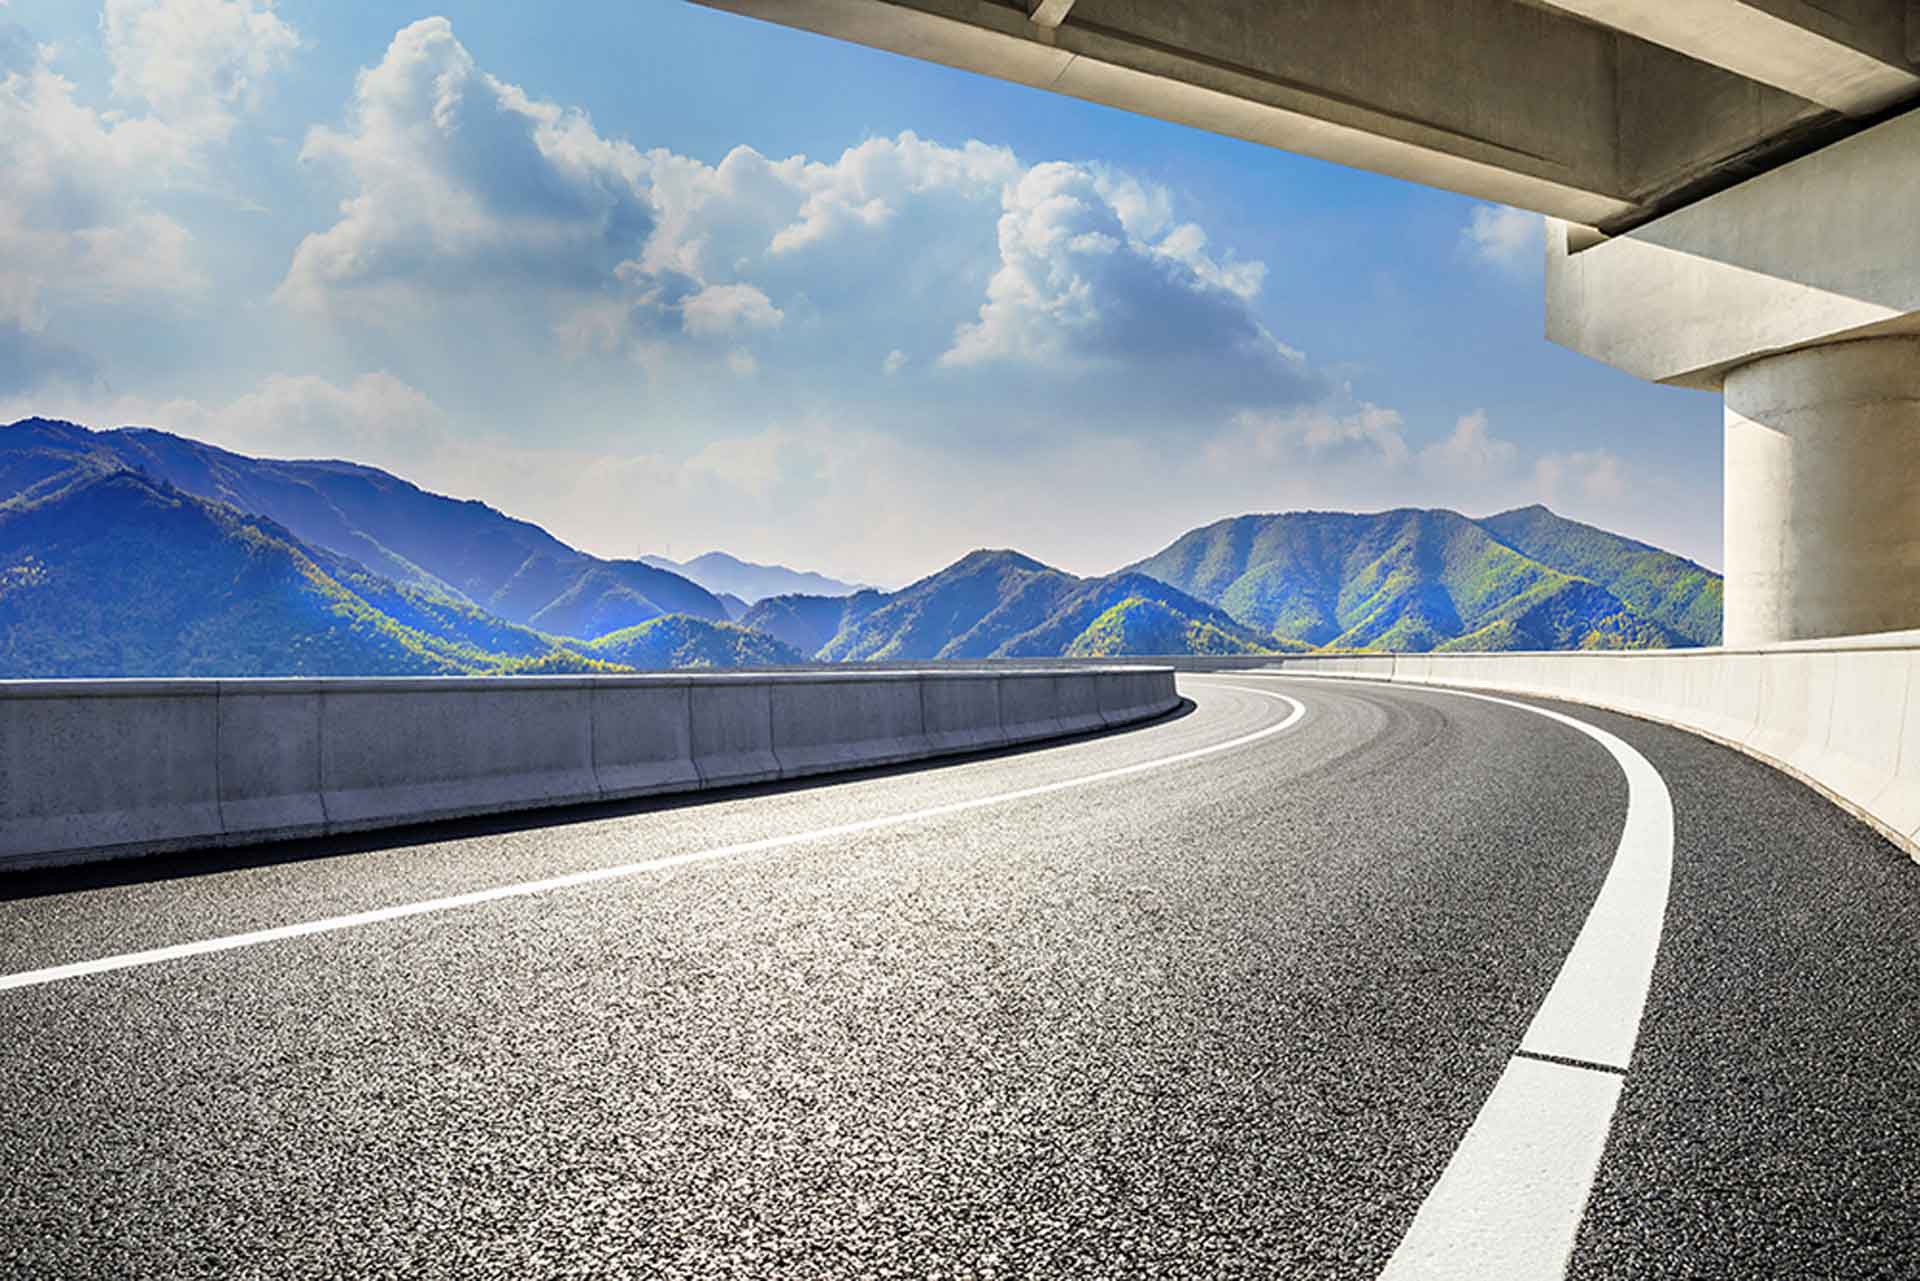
[(1237, 993)]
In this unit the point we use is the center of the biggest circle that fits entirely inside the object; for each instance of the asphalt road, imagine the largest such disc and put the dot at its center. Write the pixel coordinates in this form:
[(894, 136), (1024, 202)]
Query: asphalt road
[(1226, 1016)]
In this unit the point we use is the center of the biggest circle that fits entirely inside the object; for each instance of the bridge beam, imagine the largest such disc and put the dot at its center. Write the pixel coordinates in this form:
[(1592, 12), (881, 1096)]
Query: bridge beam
[(1850, 55), (1507, 100), (1048, 13)]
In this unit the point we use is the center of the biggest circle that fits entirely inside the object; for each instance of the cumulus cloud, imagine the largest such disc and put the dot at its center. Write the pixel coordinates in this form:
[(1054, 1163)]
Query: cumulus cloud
[(892, 241), (1090, 277), (1499, 236), (80, 219), (195, 63), (1367, 435), (459, 183), (959, 345), (75, 220), (462, 183), (1470, 453), (374, 418), (728, 309)]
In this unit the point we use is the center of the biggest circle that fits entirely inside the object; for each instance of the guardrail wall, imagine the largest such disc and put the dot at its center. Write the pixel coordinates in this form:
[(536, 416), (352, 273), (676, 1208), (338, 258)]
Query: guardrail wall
[(1840, 715), (115, 768)]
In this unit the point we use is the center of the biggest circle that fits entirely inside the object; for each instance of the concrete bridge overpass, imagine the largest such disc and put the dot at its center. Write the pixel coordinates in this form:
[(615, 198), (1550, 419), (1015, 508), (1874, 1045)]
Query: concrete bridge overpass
[(1734, 184)]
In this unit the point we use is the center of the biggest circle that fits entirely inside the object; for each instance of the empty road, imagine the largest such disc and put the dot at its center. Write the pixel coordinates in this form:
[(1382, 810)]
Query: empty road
[(1231, 994)]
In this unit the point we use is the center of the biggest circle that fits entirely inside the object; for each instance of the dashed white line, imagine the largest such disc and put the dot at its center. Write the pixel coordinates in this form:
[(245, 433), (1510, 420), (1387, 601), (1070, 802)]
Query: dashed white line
[(1511, 1198), (353, 920)]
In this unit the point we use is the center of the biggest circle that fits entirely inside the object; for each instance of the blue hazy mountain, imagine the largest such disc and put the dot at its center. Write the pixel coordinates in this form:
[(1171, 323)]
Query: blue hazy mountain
[(465, 549), (726, 575), (107, 571)]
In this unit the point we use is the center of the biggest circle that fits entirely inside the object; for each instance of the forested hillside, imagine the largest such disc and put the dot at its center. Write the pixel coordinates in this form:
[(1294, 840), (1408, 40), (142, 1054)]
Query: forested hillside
[(1423, 580)]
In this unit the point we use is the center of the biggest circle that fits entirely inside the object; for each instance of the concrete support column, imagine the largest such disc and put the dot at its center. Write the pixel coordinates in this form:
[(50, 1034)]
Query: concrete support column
[(1823, 492)]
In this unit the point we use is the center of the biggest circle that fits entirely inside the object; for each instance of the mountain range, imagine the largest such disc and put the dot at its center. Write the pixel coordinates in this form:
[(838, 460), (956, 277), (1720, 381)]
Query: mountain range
[(139, 553), (729, 577), (109, 567), (1001, 604), (461, 549)]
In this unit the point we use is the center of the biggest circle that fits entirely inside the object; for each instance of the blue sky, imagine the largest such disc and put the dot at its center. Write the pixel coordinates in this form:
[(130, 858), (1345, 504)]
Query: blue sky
[(659, 277)]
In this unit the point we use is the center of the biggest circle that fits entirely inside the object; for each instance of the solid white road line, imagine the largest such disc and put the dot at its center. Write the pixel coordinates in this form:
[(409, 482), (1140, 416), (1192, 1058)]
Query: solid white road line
[(1510, 1201), (253, 938)]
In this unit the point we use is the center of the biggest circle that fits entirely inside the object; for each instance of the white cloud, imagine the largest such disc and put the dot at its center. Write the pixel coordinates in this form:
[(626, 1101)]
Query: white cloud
[(893, 239), (462, 183), (1082, 283), (1070, 364), (1499, 236), (1368, 435), (728, 309), (1585, 477), (375, 419), (79, 222), (1080, 498), (1358, 456), (1470, 454), (195, 63), (75, 225), (461, 186)]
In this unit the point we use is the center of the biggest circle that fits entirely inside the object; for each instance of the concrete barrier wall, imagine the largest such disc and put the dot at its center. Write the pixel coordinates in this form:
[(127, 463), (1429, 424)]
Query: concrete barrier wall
[(1841, 715), (106, 769)]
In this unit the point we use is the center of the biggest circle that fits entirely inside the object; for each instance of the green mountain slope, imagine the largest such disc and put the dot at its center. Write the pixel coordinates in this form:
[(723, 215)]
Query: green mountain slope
[(806, 622), (113, 575), (1072, 624), (941, 615), (1137, 625), (1672, 591), (461, 549), (681, 641), (1405, 580), (107, 572)]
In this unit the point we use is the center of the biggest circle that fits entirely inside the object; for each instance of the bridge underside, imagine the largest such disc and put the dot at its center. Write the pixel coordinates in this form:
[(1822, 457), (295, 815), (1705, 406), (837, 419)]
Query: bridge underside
[(1605, 113), (1735, 184)]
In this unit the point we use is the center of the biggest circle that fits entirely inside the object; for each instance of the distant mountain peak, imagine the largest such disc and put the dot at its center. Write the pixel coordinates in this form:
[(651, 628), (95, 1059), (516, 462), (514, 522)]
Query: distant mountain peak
[(725, 574), (998, 557)]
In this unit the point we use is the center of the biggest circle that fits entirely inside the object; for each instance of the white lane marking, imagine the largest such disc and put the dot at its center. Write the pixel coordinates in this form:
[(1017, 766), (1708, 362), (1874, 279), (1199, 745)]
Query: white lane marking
[(1516, 1187), (253, 938), (1512, 1196)]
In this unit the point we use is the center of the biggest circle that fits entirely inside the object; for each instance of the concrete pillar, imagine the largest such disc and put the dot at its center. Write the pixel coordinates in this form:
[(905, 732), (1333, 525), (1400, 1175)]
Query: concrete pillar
[(1823, 492)]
